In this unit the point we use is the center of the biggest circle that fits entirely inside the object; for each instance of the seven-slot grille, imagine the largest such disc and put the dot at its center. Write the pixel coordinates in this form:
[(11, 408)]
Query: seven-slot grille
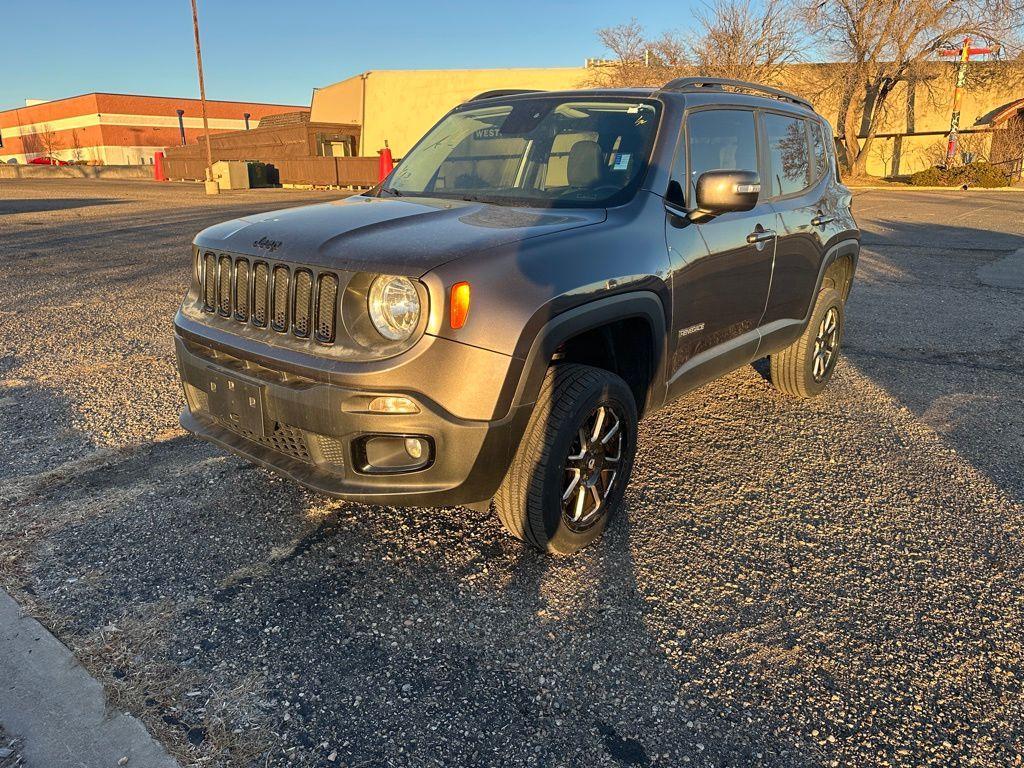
[(285, 299)]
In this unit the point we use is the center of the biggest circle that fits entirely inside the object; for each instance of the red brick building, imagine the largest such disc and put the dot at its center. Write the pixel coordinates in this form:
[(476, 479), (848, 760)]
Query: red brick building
[(118, 129)]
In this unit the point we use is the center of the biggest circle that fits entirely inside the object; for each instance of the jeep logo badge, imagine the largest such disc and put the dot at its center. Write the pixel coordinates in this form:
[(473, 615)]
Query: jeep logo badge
[(267, 244)]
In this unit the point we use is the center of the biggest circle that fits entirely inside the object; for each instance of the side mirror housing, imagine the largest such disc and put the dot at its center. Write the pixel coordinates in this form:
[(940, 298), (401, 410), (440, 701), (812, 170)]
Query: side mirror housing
[(720, 192)]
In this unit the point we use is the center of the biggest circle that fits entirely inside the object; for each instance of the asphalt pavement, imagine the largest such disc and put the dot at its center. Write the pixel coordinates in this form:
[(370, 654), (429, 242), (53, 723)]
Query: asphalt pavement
[(835, 582)]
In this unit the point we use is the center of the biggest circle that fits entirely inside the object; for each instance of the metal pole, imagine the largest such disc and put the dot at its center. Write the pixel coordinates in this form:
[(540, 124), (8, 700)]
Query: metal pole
[(958, 92), (181, 124), (247, 116), (211, 186)]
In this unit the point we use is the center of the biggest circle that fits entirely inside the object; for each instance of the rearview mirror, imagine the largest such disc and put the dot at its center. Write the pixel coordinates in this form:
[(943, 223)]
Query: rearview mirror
[(724, 191)]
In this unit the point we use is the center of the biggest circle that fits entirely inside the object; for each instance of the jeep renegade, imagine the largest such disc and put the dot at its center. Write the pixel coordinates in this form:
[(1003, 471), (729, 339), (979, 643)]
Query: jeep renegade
[(488, 324)]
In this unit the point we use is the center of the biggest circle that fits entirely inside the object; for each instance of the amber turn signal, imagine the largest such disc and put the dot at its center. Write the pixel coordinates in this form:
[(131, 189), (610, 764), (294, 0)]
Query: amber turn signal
[(459, 310)]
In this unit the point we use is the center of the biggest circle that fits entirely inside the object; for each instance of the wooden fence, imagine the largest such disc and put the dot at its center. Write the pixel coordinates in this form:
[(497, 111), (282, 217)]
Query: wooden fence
[(316, 171)]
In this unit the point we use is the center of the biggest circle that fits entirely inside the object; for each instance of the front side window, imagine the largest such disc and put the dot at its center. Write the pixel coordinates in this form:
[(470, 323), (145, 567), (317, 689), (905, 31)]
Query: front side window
[(788, 163), (719, 140), (544, 151)]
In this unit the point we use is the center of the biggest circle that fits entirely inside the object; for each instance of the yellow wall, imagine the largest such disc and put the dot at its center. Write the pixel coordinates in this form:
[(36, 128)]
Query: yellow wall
[(401, 105)]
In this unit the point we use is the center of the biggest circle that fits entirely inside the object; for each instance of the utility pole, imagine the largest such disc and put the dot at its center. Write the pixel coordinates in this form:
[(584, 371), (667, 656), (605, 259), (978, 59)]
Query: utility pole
[(964, 52), (212, 188)]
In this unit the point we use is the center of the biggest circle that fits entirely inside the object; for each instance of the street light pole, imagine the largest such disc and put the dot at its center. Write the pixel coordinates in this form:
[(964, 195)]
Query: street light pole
[(211, 185)]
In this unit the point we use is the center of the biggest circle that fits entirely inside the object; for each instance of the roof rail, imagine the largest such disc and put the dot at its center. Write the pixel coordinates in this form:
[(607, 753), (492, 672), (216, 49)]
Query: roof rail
[(503, 92), (720, 83)]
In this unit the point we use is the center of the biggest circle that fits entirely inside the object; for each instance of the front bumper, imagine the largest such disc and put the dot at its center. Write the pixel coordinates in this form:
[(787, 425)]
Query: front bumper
[(308, 429)]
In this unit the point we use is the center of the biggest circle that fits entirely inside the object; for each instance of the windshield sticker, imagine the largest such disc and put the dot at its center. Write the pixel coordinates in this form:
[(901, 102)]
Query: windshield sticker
[(621, 161)]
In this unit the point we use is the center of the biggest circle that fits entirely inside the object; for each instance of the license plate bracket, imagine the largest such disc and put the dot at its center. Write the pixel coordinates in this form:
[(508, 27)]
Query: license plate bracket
[(236, 402)]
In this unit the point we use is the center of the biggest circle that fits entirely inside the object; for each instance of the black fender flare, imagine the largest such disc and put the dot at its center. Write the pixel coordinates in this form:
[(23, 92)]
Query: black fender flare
[(848, 247), (585, 317)]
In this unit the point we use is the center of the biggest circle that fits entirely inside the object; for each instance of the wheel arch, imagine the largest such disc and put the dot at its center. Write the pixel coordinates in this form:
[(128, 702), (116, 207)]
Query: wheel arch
[(611, 311)]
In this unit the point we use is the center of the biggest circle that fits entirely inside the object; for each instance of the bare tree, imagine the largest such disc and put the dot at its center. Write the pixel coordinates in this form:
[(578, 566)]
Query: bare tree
[(883, 44), (635, 60), (76, 147), (746, 39), (742, 39), (48, 140)]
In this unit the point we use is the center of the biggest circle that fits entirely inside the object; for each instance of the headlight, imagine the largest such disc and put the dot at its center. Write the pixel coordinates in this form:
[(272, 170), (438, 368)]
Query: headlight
[(394, 307)]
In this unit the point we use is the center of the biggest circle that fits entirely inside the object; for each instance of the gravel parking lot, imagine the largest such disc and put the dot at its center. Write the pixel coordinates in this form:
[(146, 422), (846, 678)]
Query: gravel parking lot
[(828, 583)]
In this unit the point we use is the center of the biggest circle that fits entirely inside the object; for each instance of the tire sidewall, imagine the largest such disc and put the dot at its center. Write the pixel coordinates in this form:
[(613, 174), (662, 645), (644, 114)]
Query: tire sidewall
[(827, 299), (611, 391)]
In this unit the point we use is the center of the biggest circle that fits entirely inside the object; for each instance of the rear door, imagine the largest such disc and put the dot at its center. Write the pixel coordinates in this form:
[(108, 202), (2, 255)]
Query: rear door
[(797, 185), (721, 267)]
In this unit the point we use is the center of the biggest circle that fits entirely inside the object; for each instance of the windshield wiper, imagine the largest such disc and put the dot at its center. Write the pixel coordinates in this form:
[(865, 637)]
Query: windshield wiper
[(391, 191)]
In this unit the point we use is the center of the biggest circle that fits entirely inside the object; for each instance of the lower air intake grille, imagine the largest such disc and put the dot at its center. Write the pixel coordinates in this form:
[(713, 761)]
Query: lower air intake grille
[(284, 439)]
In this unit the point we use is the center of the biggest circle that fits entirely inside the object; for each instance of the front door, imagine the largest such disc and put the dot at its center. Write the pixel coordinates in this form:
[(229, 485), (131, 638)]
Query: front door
[(722, 267)]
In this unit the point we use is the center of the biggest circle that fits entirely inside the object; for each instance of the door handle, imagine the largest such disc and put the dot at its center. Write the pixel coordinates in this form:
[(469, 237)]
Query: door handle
[(821, 221), (760, 236)]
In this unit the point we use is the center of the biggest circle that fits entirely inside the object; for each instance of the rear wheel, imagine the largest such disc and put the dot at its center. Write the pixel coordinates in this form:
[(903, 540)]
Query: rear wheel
[(570, 472), (805, 367)]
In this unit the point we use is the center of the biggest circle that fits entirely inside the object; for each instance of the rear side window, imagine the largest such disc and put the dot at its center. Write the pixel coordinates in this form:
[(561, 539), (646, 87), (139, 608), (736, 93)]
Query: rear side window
[(788, 161), (818, 152), (719, 140)]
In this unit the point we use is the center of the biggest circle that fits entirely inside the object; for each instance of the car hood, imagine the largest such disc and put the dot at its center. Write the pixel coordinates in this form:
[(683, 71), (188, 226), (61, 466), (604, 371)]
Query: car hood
[(404, 237)]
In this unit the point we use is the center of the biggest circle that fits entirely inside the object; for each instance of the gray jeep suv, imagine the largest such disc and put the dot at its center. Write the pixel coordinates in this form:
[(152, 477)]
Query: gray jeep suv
[(488, 325)]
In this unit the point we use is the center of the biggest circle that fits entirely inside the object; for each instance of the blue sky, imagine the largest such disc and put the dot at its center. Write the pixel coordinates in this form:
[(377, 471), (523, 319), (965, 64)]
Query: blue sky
[(278, 51)]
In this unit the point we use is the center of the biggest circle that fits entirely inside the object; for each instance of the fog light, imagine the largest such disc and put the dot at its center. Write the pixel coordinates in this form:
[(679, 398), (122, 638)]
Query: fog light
[(415, 447), (390, 404), (378, 454)]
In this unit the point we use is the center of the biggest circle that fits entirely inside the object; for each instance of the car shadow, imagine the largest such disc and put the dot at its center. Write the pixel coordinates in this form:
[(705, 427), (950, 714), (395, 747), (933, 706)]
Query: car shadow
[(170, 567), (38, 205), (924, 324)]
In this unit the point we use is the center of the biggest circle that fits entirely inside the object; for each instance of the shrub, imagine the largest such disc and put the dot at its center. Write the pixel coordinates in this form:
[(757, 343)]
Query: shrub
[(973, 175)]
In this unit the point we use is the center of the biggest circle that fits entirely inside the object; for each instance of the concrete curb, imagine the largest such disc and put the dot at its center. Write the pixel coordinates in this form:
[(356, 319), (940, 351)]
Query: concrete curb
[(58, 709)]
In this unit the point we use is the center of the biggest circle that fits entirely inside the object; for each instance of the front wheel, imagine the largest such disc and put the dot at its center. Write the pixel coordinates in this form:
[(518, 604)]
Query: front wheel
[(804, 368), (570, 472)]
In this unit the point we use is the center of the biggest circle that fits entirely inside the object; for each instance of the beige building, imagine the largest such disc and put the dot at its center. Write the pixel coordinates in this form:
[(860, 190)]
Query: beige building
[(399, 106)]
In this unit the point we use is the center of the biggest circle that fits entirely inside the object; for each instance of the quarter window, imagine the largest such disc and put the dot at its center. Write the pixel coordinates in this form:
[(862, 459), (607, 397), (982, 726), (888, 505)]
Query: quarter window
[(788, 163), (818, 150), (719, 140)]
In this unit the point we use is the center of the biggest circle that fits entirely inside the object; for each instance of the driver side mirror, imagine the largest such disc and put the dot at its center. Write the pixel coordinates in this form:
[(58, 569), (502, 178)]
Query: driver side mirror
[(721, 192)]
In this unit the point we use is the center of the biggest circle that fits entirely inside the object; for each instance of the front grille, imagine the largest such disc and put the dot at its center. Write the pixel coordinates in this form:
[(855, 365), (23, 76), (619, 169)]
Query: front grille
[(265, 295), (210, 284), (303, 302), (279, 305), (242, 290), (224, 286), (326, 308), (260, 300)]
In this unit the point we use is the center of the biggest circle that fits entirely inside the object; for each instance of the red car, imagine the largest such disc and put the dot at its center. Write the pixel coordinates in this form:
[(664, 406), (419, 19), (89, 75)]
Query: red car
[(47, 161)]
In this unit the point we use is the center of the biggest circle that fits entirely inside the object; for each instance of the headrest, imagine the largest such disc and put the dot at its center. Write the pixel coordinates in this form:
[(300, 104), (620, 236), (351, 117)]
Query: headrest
[(584, 165)]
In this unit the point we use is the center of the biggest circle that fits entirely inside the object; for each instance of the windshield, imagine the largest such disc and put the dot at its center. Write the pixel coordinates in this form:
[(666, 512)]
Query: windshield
[(543, 152)]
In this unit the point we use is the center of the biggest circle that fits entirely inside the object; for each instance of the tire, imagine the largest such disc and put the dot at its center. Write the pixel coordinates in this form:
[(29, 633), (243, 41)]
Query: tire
[(795, 370), (530, 500)]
